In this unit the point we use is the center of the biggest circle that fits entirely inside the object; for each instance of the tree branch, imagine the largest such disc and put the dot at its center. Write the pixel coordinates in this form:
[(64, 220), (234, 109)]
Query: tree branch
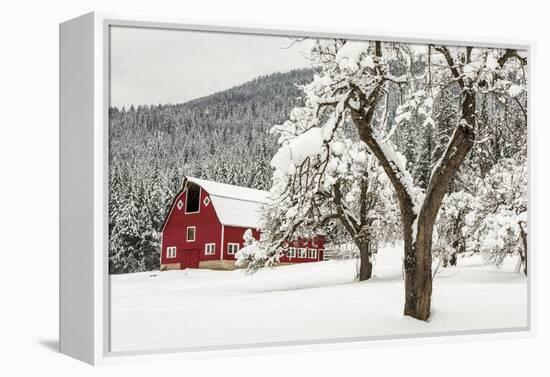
[(451, 64), (351, 226), (511, 54)]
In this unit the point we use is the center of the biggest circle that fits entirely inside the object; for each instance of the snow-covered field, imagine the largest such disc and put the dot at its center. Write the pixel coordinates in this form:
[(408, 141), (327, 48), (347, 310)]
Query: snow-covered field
[(196, 308)]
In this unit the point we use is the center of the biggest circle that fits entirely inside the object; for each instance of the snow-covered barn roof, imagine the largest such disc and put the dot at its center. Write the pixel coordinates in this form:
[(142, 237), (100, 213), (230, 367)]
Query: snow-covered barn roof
[(235, 205)]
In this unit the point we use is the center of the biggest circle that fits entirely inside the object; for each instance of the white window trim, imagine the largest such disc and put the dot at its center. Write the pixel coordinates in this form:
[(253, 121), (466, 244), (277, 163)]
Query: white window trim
[(309, 250), (304, 255), (206, 201), (292, 252), (229, 244), (194, 233), (206, 252), (200, 201), (169, 250)]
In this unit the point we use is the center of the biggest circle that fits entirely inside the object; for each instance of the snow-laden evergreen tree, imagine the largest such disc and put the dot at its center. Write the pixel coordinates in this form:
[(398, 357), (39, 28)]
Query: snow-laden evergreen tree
[(158, 198), (148, 250), (125, 235), (115, 193)]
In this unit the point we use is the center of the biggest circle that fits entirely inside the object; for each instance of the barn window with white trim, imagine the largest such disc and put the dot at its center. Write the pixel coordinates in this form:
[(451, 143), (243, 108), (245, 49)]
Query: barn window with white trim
[(191, 230), (232, 248), (210, 249), (171, 252), (292, 252)]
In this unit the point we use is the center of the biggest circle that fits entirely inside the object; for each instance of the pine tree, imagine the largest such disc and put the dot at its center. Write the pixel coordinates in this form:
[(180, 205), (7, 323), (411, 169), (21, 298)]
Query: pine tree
[(125, 237)]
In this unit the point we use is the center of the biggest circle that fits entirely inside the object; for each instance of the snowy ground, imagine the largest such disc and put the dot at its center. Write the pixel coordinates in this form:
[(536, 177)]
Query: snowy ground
[(195, 308)]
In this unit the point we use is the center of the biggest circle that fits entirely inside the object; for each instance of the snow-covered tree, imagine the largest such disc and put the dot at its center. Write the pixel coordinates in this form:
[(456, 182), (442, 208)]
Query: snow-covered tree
[(340, 181), (451, 228), (353, 80), (251, 252), (148, 250), (158, 197), (125, 235), (500, 224)]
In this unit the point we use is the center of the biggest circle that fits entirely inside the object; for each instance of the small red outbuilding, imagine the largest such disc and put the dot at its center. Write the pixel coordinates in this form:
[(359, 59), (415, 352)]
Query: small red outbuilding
[(206, 224)]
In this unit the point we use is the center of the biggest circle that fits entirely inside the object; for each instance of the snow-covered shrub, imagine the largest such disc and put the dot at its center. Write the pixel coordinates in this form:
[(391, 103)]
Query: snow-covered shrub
[(501, 226), (252, 251), (487, 216), (249, 254), (452, 228)]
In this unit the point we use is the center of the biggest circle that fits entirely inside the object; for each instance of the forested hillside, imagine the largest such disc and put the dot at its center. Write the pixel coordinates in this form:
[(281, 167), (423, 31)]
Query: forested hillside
[(222, 137)]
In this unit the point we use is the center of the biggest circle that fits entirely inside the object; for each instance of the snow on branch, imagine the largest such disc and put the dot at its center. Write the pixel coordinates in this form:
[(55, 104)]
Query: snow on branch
[(311, 142), (399, 164)]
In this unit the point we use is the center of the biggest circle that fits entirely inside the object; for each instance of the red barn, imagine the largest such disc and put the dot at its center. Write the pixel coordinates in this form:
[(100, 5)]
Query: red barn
[(206, 224)]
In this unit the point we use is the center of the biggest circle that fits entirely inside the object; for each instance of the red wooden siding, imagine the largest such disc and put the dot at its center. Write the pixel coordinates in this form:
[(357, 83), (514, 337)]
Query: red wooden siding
[(317, 243), (207, 230), (233, 234)]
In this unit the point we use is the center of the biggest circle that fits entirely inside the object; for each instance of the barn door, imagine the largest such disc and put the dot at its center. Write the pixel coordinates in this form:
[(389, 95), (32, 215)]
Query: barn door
[(194, 258), (190, 259)]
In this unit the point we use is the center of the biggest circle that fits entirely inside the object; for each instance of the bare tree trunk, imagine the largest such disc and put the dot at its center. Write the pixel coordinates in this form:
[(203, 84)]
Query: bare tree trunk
[(454, 258), (418, 276), (457, 241), (418, 282), (359, 231), (444, 261), (365, 269), (524, 254)]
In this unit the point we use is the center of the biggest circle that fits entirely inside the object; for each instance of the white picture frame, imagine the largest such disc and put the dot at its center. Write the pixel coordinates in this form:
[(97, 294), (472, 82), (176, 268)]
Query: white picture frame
[(84, 102)]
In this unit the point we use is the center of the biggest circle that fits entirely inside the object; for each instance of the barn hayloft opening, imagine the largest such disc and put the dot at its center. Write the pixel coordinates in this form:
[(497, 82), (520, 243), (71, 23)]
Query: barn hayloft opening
[(192, 199)]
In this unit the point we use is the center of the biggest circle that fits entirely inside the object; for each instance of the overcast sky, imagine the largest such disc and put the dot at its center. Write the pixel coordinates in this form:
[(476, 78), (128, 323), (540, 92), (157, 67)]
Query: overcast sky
[(152, 66)]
